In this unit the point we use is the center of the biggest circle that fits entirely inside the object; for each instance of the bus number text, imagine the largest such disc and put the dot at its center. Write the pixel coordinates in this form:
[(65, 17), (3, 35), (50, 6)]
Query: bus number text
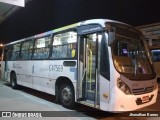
[(56, 68)]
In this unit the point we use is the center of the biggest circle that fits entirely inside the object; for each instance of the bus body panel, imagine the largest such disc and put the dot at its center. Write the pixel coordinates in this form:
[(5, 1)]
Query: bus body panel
[(123, 102), (105, 94), (2, 70), (41, 74), (23, 70), (1, 74), (57, 68)]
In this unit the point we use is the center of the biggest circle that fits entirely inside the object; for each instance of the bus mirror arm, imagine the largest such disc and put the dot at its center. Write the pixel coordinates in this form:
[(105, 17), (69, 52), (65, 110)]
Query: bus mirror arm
[(111, 37)]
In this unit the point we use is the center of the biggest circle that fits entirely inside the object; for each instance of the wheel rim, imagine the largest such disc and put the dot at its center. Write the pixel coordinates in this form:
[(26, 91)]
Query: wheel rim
[(66, 95)]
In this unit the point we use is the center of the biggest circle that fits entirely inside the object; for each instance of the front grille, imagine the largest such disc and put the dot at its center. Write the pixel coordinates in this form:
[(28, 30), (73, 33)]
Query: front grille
[(142, 90)]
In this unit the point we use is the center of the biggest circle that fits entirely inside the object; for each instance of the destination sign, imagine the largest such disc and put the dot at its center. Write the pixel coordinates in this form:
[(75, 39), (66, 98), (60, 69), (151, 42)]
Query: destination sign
[(85, 29)]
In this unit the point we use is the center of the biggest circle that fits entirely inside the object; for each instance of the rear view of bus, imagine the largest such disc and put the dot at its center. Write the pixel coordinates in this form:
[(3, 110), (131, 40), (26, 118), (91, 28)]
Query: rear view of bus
[(132, 80)]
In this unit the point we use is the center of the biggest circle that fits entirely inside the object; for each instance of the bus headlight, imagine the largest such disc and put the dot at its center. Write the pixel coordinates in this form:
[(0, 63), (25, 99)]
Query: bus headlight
[(123, 87)]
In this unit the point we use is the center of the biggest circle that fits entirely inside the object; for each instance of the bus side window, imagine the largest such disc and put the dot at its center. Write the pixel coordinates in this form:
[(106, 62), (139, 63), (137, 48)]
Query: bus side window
[(64, 51), (15, 52), (64, 45), (46, 53), (26, 50), (54, 52), (42, 47), (73, 50), (7, 55)]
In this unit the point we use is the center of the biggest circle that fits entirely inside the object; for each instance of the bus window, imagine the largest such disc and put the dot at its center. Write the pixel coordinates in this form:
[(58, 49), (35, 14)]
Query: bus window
[(130, 57), (73, 52), (15, 52), (64, 45), (7, 55), (26, 50), (41, 49), (104, 64), (155, 55), (156, 61), (64, 51)]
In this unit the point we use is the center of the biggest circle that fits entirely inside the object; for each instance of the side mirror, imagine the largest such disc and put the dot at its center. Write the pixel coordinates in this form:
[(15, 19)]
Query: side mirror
[(111, 37)]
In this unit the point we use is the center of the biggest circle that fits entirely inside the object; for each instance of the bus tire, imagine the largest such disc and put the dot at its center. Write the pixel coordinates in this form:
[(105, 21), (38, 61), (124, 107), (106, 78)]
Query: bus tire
[(67, 97), (13, 81)]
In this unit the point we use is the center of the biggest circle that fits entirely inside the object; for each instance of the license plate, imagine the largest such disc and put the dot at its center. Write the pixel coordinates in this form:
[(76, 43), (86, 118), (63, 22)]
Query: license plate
[(145, 98)]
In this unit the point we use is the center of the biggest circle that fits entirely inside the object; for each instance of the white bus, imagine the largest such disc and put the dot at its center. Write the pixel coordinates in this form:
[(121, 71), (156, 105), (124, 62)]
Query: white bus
[(100, 63)]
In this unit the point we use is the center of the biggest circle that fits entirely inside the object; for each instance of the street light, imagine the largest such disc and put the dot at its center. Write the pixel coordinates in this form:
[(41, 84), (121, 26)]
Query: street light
[(1, 45)]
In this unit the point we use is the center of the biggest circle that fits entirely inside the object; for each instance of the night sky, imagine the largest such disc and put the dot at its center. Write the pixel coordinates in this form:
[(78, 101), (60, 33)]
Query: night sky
[(43, 15)]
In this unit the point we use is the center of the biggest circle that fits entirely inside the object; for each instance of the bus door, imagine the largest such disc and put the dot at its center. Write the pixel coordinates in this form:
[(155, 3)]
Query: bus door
[(5, 60), (88, 70)]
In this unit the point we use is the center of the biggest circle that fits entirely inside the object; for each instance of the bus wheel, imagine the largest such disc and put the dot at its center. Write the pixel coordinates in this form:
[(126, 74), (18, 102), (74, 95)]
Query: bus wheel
[(67, 96), (14, 81)]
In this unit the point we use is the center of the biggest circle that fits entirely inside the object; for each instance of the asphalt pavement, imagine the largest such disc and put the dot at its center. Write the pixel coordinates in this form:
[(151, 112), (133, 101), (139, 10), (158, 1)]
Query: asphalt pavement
[(27, 102)]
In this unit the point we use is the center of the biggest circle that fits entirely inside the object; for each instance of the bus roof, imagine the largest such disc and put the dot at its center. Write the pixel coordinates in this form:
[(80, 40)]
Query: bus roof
[(92, 21)]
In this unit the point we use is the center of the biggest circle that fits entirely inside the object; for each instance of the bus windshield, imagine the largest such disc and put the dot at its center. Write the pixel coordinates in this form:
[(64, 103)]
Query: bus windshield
[(130, 58)]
